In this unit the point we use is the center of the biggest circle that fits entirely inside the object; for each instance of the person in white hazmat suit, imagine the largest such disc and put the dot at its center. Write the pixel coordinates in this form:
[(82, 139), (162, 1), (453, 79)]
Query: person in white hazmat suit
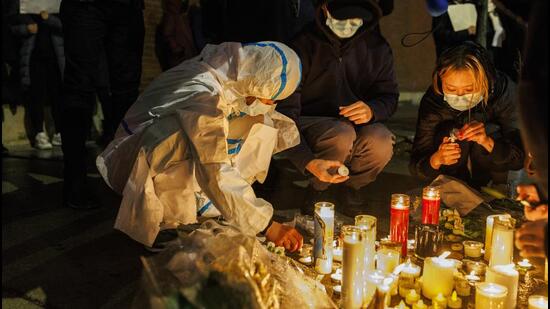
[(199, 136)]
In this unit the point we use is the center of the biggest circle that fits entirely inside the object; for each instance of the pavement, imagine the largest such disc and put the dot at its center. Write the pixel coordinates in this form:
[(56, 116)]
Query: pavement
[(56, 257)]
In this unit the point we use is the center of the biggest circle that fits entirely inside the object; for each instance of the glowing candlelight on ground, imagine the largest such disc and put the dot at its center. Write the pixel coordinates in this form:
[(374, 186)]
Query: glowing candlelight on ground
[(538, 302), (420, 305), (490, 296), (440, 300)]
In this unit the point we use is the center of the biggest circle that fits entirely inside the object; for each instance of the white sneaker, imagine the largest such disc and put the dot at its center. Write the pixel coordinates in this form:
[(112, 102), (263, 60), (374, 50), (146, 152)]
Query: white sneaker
[(56, 140), (41, 141)]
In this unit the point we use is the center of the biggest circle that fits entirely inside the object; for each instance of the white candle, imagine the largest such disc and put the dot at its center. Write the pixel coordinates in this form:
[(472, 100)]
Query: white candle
[(472, 248), (438, 276), (538, 302), (353, 262), (368, 223), (507, 276), (525, 264), (324, 233), (387, 259), (410, 271), (502, 245), (337, 254), (373, 280), (489, 233), (462, 285), (337, 276), (490, 296)]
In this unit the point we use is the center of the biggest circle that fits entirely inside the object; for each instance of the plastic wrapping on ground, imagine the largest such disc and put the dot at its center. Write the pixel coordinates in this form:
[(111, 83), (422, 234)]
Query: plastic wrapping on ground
[(217, 266)]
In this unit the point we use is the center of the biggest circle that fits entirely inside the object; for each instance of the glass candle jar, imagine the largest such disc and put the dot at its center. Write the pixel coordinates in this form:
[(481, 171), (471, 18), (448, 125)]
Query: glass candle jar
[(502, 246), (490, 296), (399, 220), (428, 239), (431, 201), (324, 233), (353, 264)]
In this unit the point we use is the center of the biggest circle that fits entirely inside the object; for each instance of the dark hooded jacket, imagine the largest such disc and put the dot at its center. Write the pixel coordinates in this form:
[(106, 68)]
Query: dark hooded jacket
[(338, 72), (500, 110), (29, 42)]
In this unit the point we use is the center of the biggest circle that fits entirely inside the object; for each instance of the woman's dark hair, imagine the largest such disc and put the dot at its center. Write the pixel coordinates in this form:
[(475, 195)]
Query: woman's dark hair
[(467, 56)]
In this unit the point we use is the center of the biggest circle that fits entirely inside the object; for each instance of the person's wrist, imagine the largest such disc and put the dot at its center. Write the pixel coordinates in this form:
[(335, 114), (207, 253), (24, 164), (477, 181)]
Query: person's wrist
[(488, 143)]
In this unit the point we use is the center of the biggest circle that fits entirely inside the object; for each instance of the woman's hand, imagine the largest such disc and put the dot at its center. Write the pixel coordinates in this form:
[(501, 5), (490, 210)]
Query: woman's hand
[(358, 112), (319, 168), (475, 132), (285, 236), (447, 154), (530, 239)]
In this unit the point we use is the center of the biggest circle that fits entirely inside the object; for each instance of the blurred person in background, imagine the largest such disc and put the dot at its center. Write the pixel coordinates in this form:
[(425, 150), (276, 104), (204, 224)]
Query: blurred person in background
[(42, 63)]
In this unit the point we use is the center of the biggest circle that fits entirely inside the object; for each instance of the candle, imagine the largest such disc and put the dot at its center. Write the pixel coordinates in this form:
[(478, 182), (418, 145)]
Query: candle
[(412, 297), (373, 280), (431, 201), (438, 276), (428, 240), (402, 305), (440, 300), (489, 233), (353, 261), (382, 299), (409, 273), (368, 223), (476, 268), (462, 285), (337, 289), (399, 220), (337, 254), (546, 270), (324, 230), (507, 276), (405, 288), (420, 305), (525, 264), (472, 248), (502, 249), (305, 260), (472, 277), (337, 276), (490, 296), (387, 259), (454, 301), (538, 302)]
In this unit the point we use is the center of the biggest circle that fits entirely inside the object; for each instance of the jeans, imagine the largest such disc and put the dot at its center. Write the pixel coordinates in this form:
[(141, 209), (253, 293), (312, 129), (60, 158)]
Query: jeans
[(99, 36)]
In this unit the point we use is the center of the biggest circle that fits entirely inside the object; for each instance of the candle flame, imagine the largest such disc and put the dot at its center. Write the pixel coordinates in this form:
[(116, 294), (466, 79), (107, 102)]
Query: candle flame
[(444, 255)]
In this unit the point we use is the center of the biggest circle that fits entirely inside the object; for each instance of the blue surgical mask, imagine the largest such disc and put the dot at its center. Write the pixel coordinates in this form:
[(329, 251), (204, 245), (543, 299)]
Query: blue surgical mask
[(344, 28), (463, 102), (255, 108)]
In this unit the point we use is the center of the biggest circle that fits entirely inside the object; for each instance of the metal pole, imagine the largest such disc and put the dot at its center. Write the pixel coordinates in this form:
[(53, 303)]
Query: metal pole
[(481, 29)]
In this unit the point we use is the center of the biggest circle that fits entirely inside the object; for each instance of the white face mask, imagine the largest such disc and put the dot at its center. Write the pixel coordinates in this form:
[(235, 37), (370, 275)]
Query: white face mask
[(256, 108), (344, 28), (463, 102)]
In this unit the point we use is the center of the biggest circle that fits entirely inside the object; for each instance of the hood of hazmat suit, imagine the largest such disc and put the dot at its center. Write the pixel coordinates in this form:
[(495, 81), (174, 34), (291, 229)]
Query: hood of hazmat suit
[(187, 137)]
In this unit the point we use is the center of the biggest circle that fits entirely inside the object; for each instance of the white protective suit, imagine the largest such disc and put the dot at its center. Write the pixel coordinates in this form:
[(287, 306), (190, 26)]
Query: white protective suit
[(185, 145)]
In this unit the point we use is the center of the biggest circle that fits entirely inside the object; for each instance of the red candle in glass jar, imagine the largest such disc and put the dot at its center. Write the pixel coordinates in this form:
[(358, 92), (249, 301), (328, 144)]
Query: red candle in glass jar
[(399, 220), (431, 200)]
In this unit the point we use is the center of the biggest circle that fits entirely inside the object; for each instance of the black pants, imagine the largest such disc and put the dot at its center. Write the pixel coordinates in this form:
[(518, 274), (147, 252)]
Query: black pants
[(96, 33), (45, 90)]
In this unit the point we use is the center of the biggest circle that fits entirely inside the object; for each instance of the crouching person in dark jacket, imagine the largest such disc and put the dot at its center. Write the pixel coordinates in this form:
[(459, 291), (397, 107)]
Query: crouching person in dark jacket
[(348, 89), (467, 121)]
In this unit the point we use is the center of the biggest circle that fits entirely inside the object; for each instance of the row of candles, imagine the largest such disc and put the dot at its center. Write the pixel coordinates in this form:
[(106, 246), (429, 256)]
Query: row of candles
[(364, 281)]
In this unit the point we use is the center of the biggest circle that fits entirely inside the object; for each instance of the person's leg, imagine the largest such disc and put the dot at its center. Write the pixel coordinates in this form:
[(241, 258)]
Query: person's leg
[(83, 30), (124, 49), (329, 139), (37, 95), (372, 150)]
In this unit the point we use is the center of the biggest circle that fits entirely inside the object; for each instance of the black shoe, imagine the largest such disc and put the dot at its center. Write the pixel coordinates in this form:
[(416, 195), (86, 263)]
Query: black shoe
[(313, 196), (163, 240), (82, 203)]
